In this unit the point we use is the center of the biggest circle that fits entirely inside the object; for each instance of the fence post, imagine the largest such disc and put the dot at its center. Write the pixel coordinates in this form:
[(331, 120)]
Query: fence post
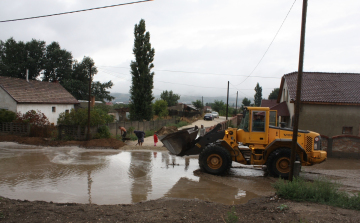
[(28, 128), (329, 147)]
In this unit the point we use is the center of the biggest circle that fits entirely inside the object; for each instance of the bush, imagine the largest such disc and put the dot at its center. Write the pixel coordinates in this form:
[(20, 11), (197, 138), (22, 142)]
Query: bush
[(321, 191), (7, 116), (33, 117), (80, 117), (103, 132)]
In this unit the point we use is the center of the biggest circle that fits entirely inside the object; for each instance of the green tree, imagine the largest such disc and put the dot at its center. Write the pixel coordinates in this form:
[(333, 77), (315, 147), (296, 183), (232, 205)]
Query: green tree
[(78, 82), (258, 95), (219, 106), (160, 108), (170, 97), (198, 104), (100, 91), (58, 63), (35, 63), (13, 59), (142, 78), (274, 94), (246, 102)]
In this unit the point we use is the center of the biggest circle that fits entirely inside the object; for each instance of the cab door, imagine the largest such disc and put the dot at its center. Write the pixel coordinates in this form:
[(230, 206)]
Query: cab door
[(258, 126)]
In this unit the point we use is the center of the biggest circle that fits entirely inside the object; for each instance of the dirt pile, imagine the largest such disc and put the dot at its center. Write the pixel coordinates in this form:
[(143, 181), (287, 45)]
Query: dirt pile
[(167, 130), (264, 209), (38, 141)]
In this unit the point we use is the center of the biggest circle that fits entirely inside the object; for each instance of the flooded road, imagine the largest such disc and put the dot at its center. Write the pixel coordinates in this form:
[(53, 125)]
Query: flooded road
[(118, 177)]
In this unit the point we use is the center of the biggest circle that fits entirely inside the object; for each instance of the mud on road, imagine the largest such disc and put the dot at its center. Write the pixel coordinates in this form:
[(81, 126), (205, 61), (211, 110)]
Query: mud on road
[(264, 209)]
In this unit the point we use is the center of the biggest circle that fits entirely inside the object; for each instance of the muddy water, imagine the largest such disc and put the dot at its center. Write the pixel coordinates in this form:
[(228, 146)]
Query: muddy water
[(114, 177), (343, 171)]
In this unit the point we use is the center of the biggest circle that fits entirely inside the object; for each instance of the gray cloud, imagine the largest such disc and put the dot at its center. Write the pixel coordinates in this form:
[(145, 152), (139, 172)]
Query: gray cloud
[(203, 36)]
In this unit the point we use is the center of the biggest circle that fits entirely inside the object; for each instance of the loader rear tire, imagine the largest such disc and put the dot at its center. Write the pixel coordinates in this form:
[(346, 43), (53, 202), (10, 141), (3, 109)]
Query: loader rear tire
[(215, 160), (278, 163)]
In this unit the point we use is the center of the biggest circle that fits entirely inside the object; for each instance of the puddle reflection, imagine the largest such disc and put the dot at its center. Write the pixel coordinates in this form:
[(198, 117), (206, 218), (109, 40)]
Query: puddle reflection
[(114, 177)]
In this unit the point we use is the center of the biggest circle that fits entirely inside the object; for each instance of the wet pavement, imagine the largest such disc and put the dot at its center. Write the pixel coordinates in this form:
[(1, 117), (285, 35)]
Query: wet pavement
[(118, 177), (79, 175)]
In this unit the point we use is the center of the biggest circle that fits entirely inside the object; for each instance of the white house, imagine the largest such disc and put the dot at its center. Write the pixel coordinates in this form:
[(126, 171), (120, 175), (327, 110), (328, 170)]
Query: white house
[(20, 95)]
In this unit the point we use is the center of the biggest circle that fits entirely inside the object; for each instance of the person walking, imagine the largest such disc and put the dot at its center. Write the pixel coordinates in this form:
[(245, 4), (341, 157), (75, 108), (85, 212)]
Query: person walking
[(140, 135), (155, 139)]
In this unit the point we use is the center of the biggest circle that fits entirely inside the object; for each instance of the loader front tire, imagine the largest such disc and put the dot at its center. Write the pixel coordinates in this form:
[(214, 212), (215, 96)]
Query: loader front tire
[(278, 163), (215, 160)]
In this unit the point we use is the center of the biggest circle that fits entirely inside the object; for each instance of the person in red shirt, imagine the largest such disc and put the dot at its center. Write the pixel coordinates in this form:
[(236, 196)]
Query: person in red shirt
[(155, 139)]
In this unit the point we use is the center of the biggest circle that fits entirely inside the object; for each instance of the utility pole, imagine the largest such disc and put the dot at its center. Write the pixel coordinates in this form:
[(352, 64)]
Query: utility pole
[(298, 92), (88, 127), (227, 101), (202, 102), (236, 102)]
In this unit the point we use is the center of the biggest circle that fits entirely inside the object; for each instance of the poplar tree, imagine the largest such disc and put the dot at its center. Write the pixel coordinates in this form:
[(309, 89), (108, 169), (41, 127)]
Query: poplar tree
[(258, 95), (142, 78)]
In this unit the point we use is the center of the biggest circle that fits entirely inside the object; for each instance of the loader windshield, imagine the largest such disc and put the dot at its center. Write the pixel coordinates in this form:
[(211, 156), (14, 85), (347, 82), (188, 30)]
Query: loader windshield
[(244, 124)]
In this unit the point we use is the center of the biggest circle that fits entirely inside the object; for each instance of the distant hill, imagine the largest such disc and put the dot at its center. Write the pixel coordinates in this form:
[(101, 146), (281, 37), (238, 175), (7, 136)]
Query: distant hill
[(122, 97)]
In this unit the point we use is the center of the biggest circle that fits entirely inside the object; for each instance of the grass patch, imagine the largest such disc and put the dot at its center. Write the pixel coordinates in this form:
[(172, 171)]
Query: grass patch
[(320, 191), (179, 124), (149, 133), (231, 216)]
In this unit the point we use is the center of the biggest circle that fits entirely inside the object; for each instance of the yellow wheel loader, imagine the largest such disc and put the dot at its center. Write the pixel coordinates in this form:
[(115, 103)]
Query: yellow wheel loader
[(257, 141)]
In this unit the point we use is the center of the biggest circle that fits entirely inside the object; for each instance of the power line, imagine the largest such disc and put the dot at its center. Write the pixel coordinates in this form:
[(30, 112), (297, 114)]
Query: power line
[(269, 45), (193, 72), (82, 10)]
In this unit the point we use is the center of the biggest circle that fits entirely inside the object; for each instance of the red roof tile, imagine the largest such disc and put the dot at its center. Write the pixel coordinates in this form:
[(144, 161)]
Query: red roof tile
[(36, 91), (325, 87)]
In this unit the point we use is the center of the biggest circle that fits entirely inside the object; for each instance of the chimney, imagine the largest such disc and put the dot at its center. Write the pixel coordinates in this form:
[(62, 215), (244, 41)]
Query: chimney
[(92, 101), (27, 75)]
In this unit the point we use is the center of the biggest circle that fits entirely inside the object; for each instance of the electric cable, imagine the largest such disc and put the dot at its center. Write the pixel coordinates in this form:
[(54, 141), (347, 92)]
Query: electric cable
[(269, 45), (82, 10)]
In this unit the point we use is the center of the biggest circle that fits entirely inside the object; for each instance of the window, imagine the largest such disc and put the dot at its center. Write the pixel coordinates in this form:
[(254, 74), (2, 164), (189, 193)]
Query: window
[(245, 121), (347, 130), (67, 111), (258, 121), (53, 109)]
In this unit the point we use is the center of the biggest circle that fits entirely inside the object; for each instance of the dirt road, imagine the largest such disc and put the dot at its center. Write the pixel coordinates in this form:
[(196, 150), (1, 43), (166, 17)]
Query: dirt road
[(265, 209)]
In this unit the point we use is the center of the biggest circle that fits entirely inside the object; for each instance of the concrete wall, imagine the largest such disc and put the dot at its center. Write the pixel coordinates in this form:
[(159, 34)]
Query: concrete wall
[(343, 146), (46, 109), (6, 101), (329, 120)]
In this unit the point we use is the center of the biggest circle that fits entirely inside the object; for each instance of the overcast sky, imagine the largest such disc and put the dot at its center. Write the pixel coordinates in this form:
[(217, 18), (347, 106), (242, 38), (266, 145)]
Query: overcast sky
[(199, 45)]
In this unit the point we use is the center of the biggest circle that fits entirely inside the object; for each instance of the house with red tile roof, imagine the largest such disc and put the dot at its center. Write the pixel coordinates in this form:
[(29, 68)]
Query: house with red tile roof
[(21, 95), (330, 102), (281, 108)]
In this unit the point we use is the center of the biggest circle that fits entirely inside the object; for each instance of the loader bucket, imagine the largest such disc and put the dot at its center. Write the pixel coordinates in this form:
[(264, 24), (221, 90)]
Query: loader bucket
[(179, 142)]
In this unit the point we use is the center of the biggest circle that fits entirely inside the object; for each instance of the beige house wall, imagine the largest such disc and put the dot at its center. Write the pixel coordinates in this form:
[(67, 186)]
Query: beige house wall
[(329, 120), (6, 101)]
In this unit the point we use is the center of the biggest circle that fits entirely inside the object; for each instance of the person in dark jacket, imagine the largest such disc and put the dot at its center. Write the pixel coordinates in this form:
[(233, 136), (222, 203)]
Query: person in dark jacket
[(140, 135)]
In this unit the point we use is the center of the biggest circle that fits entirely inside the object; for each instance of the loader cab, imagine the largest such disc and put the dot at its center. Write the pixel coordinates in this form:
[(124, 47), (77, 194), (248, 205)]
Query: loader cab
[(255, 124)]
